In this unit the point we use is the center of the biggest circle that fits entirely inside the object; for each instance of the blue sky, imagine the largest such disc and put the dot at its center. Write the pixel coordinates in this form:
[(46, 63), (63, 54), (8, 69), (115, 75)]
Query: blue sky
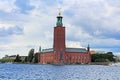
[(26, 24)]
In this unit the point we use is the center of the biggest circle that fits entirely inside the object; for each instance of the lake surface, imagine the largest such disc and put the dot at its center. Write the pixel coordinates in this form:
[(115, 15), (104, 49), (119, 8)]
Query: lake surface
[(50, 72)]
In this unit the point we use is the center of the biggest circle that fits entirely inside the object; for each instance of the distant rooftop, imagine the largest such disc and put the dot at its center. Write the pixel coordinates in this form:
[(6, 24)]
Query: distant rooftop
[(76, 50), (47, 50)]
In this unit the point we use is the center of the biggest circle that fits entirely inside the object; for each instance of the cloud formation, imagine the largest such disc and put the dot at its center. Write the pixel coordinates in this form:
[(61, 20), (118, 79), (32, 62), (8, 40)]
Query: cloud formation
[(16, 30), (23, 6), (26, 24)]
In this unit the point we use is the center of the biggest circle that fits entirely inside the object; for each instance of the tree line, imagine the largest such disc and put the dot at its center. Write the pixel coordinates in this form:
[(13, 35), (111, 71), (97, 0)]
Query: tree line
[(106, 57), (31, 58)]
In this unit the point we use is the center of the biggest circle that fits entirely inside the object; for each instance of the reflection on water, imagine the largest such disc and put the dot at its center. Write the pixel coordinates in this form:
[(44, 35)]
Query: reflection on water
[(50, 72)]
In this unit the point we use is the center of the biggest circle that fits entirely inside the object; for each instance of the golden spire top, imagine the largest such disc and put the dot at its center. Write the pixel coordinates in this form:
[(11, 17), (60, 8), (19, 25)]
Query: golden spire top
[(59, 18), (59, 14)]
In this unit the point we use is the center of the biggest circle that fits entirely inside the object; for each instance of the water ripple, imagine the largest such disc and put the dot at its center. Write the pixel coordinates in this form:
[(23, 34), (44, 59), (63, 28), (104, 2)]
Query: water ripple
[(50, 72)]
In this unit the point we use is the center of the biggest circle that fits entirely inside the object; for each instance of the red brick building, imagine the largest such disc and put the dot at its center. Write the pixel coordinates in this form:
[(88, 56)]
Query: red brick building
[(59, 53)]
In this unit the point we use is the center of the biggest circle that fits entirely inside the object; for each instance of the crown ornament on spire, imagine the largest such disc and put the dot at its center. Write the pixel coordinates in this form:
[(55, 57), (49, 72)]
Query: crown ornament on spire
[(59, 13)]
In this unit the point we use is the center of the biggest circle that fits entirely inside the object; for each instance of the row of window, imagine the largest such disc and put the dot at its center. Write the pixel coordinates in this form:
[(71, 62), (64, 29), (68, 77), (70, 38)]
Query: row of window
[(75, 57)]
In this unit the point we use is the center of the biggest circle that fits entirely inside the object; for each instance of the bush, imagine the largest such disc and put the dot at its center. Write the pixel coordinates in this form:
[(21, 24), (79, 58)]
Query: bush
[(4, 60), (102, 57), (101, 60), (77, 63)]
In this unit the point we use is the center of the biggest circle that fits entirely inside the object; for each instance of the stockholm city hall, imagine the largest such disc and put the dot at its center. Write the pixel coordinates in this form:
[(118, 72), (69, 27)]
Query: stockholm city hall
[(60, 53)]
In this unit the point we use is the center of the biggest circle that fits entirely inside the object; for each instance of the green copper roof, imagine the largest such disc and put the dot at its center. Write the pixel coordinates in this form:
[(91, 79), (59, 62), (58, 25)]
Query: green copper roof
[(59, 20), (47, 50), (76, 50)]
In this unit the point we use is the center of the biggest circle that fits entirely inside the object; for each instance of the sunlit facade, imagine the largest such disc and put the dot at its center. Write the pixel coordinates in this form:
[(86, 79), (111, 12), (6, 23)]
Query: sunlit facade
[(60, 53)]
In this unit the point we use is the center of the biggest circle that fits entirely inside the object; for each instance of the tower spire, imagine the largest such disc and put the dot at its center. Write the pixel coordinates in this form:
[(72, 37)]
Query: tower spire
[(59, 9), (59, 19), (40, 49), (88, 48)]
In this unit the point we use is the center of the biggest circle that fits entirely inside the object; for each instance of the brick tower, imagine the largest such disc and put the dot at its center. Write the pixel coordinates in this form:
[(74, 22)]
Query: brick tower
[(59, 40), (60, 54)]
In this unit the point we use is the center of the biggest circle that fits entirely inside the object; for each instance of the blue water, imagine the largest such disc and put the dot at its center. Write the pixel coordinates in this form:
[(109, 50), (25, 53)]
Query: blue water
[(50, 72)]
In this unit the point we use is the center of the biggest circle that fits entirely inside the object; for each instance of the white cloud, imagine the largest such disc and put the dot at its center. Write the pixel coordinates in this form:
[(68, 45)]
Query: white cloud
[(73, 44), (5, 25), (7, 5), (85, 22)]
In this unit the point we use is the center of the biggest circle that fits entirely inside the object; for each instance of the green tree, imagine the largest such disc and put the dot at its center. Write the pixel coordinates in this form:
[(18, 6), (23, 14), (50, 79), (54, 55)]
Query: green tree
[(18, 58), (110, 56), (26, 59), (31, 55), (36, 58), (106, 57)]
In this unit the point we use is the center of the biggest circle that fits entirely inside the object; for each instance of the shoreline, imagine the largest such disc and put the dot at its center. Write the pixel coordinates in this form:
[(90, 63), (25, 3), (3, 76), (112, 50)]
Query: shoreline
[(92, 63)]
